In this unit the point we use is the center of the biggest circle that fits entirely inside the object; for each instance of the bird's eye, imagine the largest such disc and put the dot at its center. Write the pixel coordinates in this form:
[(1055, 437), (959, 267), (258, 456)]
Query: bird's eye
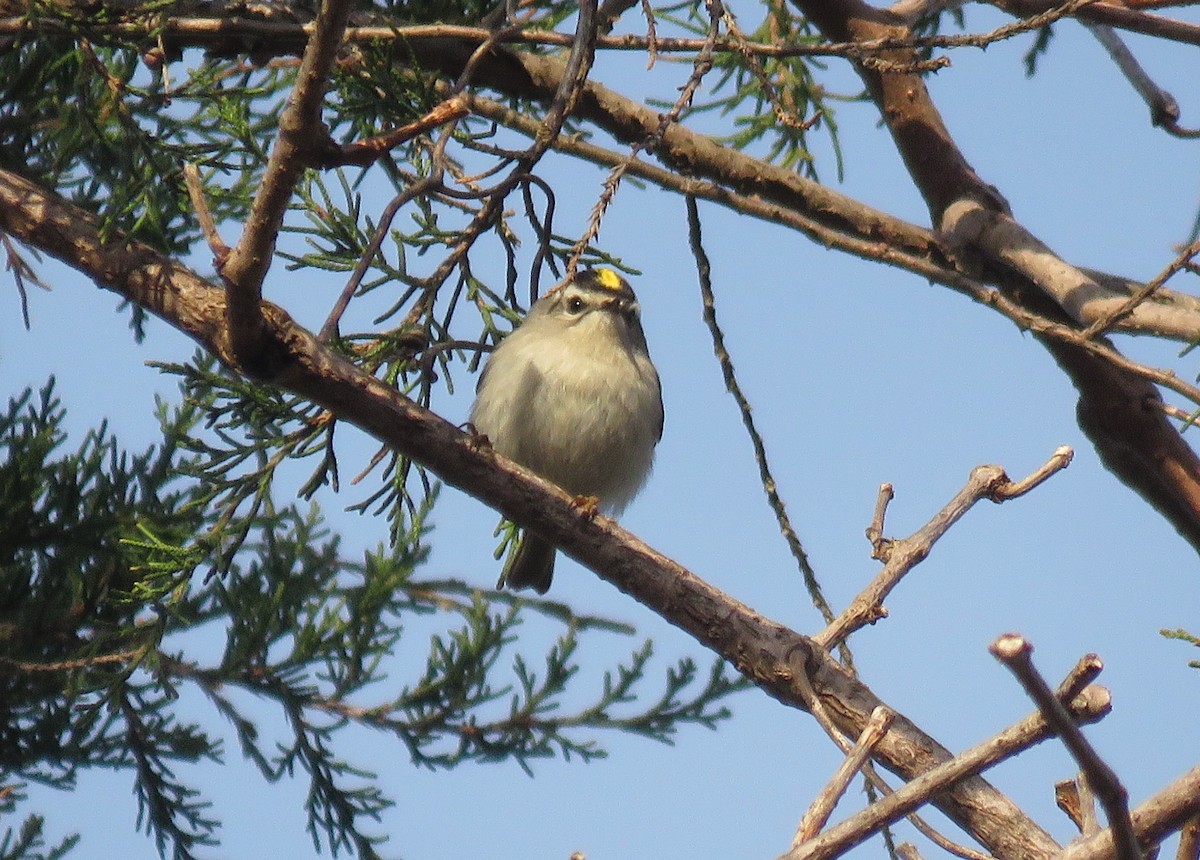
[(575, 305)]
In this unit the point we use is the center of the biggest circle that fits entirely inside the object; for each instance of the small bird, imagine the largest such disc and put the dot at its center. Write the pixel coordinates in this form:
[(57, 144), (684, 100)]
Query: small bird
[(572, 395)]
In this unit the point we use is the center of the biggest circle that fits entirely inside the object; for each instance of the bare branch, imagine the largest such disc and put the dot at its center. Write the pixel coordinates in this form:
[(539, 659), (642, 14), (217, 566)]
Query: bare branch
[(1014, 652), (825, 802), (784, 664), (1083, 673), (985, 482), (1153, 821), (1059, 460), (1164, 110), (365, 152), (298, 126), (1093, 704), (879, 546), (208, 227)]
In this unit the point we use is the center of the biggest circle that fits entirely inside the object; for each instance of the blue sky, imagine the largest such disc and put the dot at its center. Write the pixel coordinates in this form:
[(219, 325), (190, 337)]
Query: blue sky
[(858, 374)]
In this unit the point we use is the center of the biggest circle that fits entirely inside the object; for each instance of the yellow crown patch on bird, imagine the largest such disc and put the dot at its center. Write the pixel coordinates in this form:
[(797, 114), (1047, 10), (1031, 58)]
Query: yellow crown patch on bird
[(608, 279)]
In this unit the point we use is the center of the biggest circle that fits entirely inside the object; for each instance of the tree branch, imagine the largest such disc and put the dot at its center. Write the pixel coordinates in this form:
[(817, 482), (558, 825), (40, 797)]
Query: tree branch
[(985, 482), (1157, 818), (299, 126), (1015, 653), (1089, 706), (782, 662)]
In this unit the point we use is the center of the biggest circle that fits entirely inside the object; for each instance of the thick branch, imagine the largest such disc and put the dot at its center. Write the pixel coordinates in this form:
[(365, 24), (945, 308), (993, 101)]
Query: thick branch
[(782, 662), (1115, 406)]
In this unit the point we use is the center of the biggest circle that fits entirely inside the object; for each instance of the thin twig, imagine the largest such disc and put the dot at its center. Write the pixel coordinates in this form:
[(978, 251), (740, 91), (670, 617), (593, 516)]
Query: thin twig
[(1066, 798), (766, 478), (901, 556), (1164, 110), (821, 808), (208, 227), (1014, 652), (879, 547), (21, 272), (1082, 674), (1059, 460), (365, 152), (330, 329), (1182, 261), (119, 657)]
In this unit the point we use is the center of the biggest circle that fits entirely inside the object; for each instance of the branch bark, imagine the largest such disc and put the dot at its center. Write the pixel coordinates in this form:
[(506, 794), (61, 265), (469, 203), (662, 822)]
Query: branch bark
[(783, 663)]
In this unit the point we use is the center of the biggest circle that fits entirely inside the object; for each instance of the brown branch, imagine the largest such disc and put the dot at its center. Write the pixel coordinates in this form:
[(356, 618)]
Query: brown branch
[(1153, 821), (783, 663), (1114, 15), (248, 263), (1091, 705), (1015, 653), (208, 227), (822, 807), (366, 152), (901, 556), (220, 33)]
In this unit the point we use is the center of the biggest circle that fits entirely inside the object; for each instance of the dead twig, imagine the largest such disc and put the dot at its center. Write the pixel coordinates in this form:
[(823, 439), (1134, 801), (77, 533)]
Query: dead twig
[(1015, 653), (825, 802), (901, 556)]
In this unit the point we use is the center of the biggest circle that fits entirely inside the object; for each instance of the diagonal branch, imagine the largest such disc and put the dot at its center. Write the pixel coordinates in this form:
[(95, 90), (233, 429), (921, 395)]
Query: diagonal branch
[(1154, 820), (1015, 653), (248, 263), (1134, 440), (1092, 704), (900, 557), (783, 663)]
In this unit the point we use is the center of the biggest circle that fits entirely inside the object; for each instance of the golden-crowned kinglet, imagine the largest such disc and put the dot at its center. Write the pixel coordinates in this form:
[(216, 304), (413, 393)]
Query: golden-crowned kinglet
[(572, 395)]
